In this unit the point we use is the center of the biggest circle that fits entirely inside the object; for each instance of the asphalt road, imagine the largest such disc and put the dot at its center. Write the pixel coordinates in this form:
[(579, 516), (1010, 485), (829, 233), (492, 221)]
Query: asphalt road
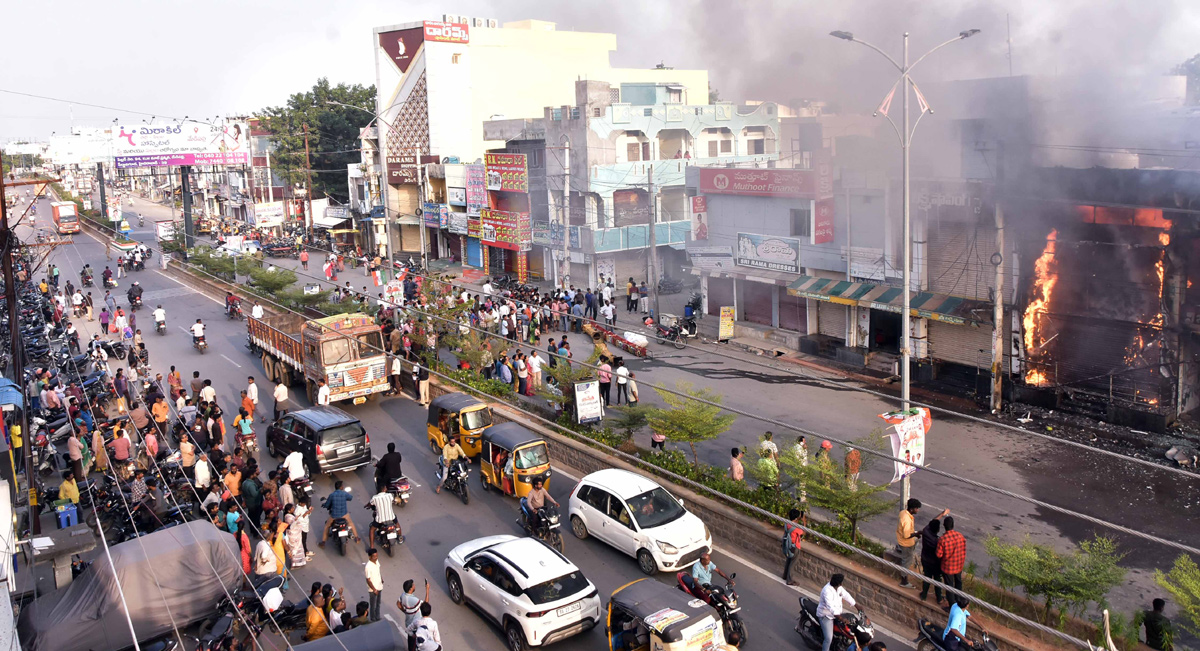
[(1132, 495), (433, 524)]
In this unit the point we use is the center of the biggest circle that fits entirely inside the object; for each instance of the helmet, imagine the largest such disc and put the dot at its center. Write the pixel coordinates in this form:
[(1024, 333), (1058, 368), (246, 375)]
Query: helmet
[(825, 445)]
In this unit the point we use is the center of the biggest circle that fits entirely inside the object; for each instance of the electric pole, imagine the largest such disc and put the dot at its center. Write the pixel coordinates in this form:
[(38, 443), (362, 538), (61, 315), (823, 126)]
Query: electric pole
[(653, 239), (185, 188), (565, 276), (308, 194)]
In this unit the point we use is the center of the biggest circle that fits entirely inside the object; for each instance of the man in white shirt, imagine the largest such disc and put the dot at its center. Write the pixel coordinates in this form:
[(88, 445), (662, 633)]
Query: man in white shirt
[(294, 464), (203, 472), (830, 607), (608, 312), (264, 560), (208, 393), (384, 515), (322, 392), (281, 400), (535, 368), (606, 292), (374, 583), (425, 630), (622, 374), (487, 288), (197, 330), (160, 315), (256, 311), (252, 393)]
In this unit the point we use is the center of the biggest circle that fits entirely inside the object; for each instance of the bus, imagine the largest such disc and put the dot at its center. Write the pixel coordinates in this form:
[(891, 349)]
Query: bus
[(65, 218)]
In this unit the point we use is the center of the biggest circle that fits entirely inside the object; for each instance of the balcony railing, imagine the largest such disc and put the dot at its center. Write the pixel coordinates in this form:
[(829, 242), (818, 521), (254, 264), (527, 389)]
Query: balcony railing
[(637, 236)]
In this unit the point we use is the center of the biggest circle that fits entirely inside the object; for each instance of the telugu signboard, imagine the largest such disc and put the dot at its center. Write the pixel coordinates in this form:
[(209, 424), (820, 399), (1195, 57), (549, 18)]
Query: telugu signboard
[(699, 206), (457, 223), (589, 408), (773, 252), (507, 172), (908, 439), (758, 183), (268, 213), (187, 143), (402, 166), (432, 212), (711, 257), (503, 230), (476, 189), (438, 31), (725, 332), (823, 221)]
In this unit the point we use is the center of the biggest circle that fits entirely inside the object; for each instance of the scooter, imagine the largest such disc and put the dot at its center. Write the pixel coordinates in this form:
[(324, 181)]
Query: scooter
[(723, 598), (387, 535), (160, 327), (200, 344), (234, 313), (930, 637), (847, 628), (135, 303), (456, 482), (400, 488), (543, 525)]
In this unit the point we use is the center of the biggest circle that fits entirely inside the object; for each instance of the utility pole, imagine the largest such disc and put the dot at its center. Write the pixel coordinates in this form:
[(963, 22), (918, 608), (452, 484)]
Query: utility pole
[(421, 205), (308, 195), (17, 348), (998, 316), (653, 239), (185, 188), (103, 197), (566, 214)]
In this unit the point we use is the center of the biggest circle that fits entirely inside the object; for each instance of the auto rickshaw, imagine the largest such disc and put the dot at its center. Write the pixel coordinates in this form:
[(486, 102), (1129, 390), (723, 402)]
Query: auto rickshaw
[(646, 614), (511, 458), (457, 414)]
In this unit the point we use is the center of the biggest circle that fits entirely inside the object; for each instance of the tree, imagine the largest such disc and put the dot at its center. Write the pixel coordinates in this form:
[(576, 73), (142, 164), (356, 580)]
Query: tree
[(687, 419), (271, 282), (1067, 581), (1191, 70), (332, 135), (631, 418), (828, 487), (1183, 582), (714, 95)]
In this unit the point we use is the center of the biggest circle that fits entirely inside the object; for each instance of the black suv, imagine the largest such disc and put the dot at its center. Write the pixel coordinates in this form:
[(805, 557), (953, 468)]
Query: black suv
[(330, 439)]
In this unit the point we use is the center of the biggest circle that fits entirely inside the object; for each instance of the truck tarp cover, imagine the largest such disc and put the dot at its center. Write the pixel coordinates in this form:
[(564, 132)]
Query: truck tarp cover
[(383, 635), (88, 615)]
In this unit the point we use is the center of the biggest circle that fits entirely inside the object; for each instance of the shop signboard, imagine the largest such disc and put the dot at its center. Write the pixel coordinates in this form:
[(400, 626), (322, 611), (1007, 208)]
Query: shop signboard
[(907, 435), (402, 165), (336, 212), (823, 221), (711, 257), (505, 230), (438, 31), (456, 196), (771, 252), (476, 189), (432, 214), (507, 172), (699, 206), (800, 184), (401, 46), (588, 406), (457, 223), (269, 213), (725, 332), (186, 143)]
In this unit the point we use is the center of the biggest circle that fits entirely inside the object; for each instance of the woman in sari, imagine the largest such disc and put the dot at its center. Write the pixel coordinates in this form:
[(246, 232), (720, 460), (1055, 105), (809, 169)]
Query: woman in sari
[(294, 537), (278, 527)]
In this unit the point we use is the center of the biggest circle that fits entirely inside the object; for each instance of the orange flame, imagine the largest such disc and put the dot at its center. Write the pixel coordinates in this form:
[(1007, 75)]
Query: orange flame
[(1045, 278)]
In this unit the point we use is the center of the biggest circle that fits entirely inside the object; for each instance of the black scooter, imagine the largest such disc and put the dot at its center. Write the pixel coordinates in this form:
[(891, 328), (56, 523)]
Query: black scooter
[(847, 628), (457, 481), (930, 637)]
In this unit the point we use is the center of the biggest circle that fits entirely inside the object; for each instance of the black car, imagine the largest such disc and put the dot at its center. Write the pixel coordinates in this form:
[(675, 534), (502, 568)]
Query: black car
[(330, 439)]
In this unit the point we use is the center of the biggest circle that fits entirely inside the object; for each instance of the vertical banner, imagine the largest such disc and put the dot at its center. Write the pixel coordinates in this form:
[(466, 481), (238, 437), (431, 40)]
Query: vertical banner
[(476, 190), (484, 255), (726, 330), (699, 218), (523, 267), (823, 221), (908, 439), (589, 408)]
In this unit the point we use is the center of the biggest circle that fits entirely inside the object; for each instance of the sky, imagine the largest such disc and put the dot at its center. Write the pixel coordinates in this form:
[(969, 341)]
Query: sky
[(218, 57)]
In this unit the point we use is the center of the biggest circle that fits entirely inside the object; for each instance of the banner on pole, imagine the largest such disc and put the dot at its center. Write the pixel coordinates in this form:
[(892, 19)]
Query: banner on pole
[(908, 439)]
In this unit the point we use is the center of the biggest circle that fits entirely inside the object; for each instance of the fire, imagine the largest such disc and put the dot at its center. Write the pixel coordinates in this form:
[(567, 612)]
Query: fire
[(1164, 238), (1045, 278), (1135, 348)]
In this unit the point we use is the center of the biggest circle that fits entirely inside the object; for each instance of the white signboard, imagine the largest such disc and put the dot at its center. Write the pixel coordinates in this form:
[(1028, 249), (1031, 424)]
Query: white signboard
[(268, 214), (589, 408), (711, 257), (183, 143), (908, 439)]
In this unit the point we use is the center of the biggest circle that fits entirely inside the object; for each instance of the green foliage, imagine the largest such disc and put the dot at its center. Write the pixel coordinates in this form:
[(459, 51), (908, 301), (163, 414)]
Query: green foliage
[(1067, 582), (631, 418), (332, 134), (475, 381), (220, 266), (271, 282), (688, 420), (1124, 630), (828, 487), (1183, 582)]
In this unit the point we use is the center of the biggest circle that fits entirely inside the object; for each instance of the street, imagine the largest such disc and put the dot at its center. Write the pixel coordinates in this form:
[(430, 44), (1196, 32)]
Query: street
[(433, 524)]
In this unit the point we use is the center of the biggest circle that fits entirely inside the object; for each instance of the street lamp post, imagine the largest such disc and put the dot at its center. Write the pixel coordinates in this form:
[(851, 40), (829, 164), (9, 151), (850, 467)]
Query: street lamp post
[(383, 194), (905, 135)]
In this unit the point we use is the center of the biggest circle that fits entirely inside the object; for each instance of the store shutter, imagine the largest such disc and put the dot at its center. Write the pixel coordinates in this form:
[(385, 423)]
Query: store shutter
[(474, 253), (793, 311), (961, 344), (720, 293), (756, 302), (831, 319)]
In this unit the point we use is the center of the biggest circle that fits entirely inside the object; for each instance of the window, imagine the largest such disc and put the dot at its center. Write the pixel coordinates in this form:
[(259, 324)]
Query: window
[(594, 497), (712, 148), (645, 151), (336, 351), (699, 111), (648, 112), (755, 147), (597, 112), (801, 222), (349, 433), (726, 146), (557, 589), (655, 508), (536, 159), (286, 424), (614, 95), (485, 567), (618, 512), (574, 112), (476, 419), (454, 57), (532, 457), (370, 344), (633, 152), (555, 114), (674, 95)]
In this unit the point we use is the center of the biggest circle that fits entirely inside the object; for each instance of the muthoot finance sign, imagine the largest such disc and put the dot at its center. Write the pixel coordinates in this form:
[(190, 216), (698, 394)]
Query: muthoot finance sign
[(759, 183)]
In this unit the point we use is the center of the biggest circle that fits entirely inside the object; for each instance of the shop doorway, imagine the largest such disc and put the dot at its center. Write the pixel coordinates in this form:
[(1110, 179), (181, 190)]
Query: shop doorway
[(885, 331)]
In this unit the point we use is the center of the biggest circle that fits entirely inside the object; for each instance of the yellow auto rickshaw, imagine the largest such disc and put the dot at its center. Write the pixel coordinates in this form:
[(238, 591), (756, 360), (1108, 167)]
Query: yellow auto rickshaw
[(511, 458), (646, 614), (457, 414)]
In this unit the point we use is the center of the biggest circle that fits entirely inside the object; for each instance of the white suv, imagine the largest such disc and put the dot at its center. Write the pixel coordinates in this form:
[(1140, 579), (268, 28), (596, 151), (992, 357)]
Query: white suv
[(638, 517), (530, 590)]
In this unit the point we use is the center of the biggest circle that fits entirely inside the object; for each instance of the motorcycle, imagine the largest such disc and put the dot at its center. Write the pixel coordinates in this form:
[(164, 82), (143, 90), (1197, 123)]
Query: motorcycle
[(200, 344), (224, 626), (135, 303), (160, 327), (668, 285), (249, 442), (456, 482), (86, 281), (234, 313), (848, 628), (674, 329), (340, 531), (722, 598), (387, 535), (930, 637), (400, 488), (141, 219), (543, 525), (110, 283)]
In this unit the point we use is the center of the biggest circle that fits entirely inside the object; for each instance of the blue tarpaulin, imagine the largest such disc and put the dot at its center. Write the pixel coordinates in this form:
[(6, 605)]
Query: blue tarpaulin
[(11, 394)]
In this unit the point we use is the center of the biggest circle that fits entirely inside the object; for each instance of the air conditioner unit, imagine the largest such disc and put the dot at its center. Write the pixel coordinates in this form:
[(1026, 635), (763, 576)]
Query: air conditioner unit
[(492, 22)]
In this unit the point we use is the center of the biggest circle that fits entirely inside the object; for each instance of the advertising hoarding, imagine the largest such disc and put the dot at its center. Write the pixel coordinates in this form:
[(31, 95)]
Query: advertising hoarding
[(908, 439), (456, 196), (711, 257), (457, 223), (402, 166), (725, 331), (507, 172), (187, 143), (823, 221), (699, 206), (268, 213), (476, 189), (758, 183), (432, 214), (401, 46), (440, 32), (772, 252), (589, 408), (503, 230)]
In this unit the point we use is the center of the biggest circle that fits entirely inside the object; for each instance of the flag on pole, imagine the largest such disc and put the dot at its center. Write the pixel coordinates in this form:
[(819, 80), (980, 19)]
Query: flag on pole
[(377, 275)]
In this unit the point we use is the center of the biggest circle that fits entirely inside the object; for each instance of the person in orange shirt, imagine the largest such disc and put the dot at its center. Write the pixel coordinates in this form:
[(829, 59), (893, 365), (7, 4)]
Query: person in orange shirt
[(160, 411), (233, 481)]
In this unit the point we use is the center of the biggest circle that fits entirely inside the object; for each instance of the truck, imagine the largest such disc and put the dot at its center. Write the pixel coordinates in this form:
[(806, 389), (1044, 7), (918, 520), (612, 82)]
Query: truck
[(65, 218), (345, 350)]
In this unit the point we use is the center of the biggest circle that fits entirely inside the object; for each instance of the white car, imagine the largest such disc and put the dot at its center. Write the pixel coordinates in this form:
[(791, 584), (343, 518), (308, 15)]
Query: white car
[(638, 517), (527, 588)]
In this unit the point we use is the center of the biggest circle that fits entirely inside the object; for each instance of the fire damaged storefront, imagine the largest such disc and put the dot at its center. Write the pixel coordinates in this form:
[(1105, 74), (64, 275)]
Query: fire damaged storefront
[(1104, 318)]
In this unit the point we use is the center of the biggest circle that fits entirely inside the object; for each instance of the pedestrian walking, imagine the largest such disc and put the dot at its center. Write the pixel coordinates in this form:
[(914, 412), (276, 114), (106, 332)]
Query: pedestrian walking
[(630, 295), (737, 471), (622, 373), (304, 259), (1158, 628), (793, 535), (421, 379), (280, 394), (374, 582), (853, 466), (952, 550)]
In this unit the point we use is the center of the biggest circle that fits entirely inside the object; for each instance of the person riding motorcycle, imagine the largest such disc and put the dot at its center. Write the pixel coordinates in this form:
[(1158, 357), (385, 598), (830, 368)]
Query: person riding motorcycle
[(106, 275), (85, 274), (231, 302), (701, 573), (197, 331), (387, 469), (134, 293), (160, 316), (381, 503), (532, 503), (450, 453), (955, 635), (294, 464)]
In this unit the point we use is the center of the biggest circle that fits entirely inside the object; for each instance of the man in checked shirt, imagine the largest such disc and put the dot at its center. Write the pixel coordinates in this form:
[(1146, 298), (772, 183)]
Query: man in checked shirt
[(952, 549)]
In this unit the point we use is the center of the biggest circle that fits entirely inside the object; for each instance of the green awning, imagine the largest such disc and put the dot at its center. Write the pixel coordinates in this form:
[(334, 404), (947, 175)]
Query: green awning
[(928, 305)]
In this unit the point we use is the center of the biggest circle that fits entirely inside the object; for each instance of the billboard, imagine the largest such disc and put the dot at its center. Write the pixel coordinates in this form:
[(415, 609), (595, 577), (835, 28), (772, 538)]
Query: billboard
[(908, 439), (771, 252), (503, 230), (401, 46), (402, 166), (711, 257), (589, 408), (799, 184), (456, 222), (438, 31), (507, 172), (436, 214), (187, 143), (268, 213), (84, 146), (823, 222), (699, 206), (456, 196), (476, 189)]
